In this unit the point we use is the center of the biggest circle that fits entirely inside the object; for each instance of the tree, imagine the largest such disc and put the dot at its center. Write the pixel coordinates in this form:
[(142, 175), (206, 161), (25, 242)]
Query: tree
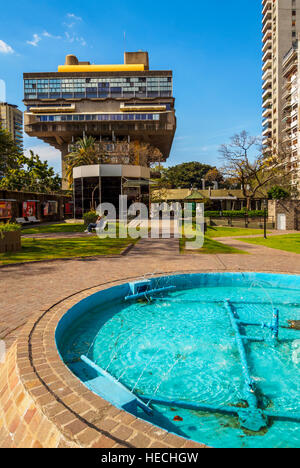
[(84, 154), (186, 175), (278, 193), (214, 175), (9, 152), (143, 154), (245, 164), (31, 175)]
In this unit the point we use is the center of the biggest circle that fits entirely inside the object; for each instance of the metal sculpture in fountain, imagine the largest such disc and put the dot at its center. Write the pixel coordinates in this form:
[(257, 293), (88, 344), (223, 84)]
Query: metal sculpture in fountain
[(251, 418)]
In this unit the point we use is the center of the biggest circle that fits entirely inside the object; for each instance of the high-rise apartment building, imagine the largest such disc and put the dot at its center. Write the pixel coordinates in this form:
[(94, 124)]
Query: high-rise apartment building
[(281, 24), (11, 119), (121, 106), (290, 111)]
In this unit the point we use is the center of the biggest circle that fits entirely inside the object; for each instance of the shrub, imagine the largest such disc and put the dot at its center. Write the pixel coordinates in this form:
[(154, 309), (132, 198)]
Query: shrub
[(9, 227), (90, 217), (234, 214)]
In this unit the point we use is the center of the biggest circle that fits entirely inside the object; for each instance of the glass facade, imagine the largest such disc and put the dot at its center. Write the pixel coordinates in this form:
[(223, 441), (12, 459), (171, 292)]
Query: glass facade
[(88, 190), (76, 88), (96, 117)]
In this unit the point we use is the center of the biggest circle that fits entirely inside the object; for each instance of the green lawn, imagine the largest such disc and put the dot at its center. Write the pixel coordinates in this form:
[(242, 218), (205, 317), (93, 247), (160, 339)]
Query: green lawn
[(287, 242), (48, 249), (231, 232), (211, 247), (54, 228)]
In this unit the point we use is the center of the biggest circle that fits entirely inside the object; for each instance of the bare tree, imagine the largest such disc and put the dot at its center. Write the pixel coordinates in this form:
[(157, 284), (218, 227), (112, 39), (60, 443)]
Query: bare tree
[(143, 154), (245, 163)]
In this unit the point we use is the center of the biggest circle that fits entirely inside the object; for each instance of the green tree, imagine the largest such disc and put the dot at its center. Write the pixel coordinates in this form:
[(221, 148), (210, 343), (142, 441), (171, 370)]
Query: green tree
[(186, 175), (9, 152), (214, 175), (278, 193), (84, 154), (31, 174)]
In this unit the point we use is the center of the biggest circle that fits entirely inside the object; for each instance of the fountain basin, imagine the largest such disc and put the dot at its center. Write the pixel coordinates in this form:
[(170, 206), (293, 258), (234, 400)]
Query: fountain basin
[(181, 347)]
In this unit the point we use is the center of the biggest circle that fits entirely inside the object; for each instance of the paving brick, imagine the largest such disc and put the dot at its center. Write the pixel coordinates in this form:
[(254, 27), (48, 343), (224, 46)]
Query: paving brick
[(122, 432), (141, 441)]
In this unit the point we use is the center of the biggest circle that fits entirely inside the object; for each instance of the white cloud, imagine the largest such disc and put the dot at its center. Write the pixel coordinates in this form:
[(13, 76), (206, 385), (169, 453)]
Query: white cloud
[(5, 48), (36, 39), (50, 36), (74, 17)]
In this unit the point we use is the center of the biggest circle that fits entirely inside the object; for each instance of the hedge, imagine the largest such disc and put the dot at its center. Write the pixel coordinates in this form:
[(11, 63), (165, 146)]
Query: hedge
[(234, 214)]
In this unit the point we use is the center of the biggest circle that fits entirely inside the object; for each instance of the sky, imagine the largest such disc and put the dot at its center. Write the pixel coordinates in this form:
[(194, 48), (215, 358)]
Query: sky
[(213, 48)]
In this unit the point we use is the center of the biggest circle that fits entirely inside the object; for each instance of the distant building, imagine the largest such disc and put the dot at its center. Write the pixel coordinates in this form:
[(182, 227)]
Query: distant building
[(290, 114), (221, 199), (280, 30), (121, 106), (11, 118), (280, 25)]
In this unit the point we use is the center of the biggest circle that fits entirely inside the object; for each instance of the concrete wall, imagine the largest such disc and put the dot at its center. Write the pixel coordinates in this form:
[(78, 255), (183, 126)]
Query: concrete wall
[(289, 208)]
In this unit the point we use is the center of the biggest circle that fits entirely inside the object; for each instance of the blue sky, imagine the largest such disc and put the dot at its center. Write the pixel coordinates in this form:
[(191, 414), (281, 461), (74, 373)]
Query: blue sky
[(213, 48)]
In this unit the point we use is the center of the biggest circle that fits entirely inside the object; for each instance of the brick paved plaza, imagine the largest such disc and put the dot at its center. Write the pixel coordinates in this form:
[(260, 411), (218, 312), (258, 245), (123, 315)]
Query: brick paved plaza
[(41, 403)]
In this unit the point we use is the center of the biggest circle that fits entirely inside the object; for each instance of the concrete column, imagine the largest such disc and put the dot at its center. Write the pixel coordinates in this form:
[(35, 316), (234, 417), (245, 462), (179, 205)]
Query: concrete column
[(64, 153)]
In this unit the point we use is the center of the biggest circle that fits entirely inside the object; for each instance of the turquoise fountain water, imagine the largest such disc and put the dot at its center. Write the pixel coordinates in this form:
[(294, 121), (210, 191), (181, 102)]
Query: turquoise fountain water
[(182, 346)]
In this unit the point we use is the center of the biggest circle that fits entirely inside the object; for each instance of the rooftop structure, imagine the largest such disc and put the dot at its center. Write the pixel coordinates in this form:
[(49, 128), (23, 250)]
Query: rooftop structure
[(118, 105)]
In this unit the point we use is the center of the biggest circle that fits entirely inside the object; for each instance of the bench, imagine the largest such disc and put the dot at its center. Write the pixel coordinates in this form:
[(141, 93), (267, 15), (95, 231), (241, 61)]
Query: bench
[(22, 221), (33, 219)]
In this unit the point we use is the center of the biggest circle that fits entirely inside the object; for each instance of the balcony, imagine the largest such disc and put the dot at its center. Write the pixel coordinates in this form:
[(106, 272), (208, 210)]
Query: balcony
[(267, 55), (267, 84), (294, 124), (292, 53), (287, 104), (290, 67), (267, 26), (267, 132), (267, 103), (267, 6), (267, 75), (287, 93), (267, 45), (267, 35), (267, 65), (267, 122), (267, 93), (267, 112)]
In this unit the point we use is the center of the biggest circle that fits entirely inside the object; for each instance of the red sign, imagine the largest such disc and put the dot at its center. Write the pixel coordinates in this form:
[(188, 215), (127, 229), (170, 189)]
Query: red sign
[(5, 210), (29, 209), (69, 207)]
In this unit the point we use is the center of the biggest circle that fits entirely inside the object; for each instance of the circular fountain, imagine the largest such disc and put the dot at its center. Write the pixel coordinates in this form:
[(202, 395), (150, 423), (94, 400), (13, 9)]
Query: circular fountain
[(211, 357)]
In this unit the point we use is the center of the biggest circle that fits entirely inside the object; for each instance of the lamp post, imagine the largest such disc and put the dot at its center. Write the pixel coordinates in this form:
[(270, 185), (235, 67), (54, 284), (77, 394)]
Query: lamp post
[(265, 218)]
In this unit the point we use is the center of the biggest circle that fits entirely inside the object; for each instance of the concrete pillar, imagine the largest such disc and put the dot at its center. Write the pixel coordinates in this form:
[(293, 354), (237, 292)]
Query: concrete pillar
[(64, 153)]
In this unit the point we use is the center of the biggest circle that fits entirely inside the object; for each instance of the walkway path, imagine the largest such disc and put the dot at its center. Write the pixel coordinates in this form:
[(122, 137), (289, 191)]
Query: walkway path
[(256, 249)]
